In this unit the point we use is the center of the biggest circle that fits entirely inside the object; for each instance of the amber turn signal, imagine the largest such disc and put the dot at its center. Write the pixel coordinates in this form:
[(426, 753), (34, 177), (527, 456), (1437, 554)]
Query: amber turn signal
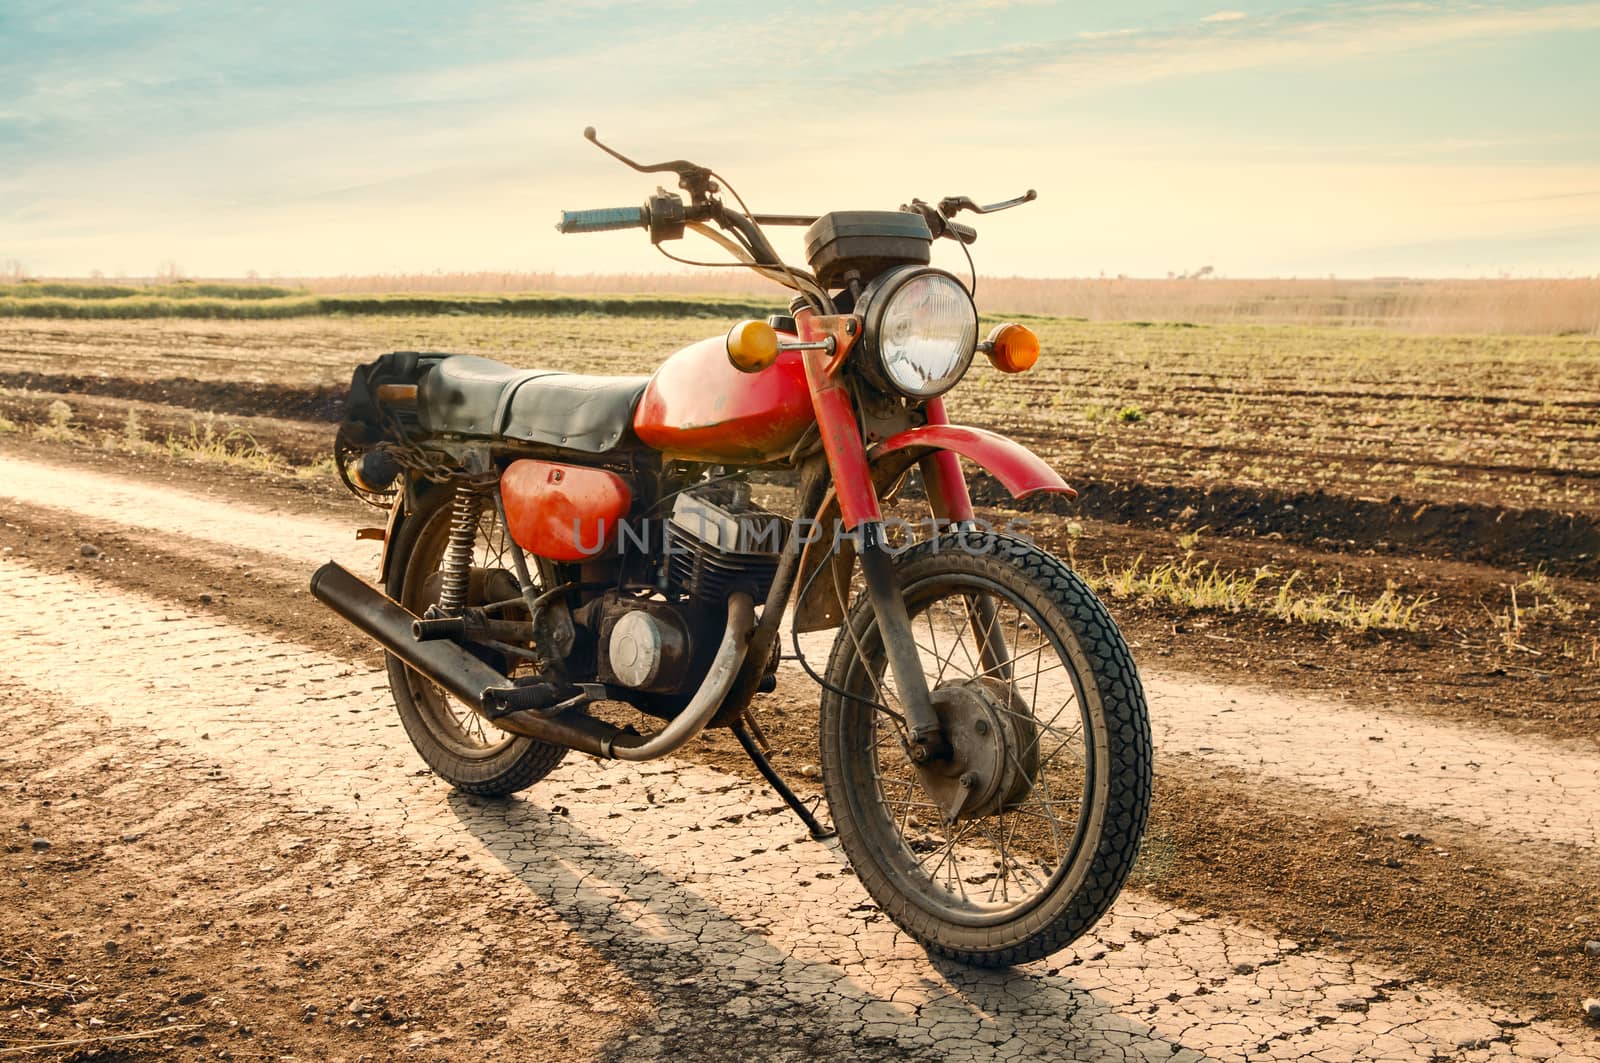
[(398, 394), (1012, 348), (752, 346)]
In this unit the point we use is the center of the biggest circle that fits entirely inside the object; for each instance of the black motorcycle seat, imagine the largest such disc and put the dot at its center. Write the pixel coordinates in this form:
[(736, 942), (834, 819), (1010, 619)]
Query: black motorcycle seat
[(472, 396)]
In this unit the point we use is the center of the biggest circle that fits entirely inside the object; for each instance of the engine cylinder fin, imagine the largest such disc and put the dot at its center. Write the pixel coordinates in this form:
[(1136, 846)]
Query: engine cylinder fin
[(700, 570), (719, 542)]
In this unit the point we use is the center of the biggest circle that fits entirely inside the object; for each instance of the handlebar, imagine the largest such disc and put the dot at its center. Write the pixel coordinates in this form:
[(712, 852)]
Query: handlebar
[(606, 219), (664, 215)]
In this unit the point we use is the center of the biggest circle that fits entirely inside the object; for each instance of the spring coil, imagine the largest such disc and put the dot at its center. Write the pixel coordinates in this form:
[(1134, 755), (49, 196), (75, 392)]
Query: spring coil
[(455, 569)]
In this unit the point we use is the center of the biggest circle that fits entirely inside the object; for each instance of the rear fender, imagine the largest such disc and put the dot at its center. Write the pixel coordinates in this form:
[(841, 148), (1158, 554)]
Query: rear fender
[(391, 533), (1020, 471)]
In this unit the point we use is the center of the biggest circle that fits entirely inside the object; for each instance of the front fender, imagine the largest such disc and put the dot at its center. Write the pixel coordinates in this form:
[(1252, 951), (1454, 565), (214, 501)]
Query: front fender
[(1019, 470), (1016, 468)]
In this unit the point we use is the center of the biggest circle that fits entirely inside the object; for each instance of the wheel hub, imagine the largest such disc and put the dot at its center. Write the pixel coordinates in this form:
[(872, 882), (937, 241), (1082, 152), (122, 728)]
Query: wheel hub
[(994, 748)]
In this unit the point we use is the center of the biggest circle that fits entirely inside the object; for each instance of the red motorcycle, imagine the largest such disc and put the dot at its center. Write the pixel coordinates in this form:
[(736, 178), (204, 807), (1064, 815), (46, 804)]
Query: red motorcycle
[(567, 555)]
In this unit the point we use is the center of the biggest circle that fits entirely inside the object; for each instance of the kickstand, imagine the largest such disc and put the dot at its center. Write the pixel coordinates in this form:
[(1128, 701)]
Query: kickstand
[(769, 773)]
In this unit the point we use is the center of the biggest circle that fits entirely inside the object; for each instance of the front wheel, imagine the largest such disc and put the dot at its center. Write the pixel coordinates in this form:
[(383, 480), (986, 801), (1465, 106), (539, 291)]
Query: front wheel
[(1018, 842)]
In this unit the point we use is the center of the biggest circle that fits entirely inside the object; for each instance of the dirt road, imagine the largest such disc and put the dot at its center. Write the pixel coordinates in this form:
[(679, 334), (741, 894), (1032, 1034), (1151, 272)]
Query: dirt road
[(1522, 788), (242, 855)]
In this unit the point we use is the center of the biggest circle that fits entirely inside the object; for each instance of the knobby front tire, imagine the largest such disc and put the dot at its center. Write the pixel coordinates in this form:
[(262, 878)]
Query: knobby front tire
[(1052, 743)]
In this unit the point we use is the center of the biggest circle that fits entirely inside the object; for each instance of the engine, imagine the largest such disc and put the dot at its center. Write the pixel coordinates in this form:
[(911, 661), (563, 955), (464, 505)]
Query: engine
[(716, 541)]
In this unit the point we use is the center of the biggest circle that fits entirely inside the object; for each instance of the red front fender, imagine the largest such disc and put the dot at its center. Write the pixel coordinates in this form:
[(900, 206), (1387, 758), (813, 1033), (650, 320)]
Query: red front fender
[(1019, 470), (936, 446)]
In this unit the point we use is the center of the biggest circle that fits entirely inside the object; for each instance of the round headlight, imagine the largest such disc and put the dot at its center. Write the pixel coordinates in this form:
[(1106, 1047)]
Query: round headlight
[(921, 329)]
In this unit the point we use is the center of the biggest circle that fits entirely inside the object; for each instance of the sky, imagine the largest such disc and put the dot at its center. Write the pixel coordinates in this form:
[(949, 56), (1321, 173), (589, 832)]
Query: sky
[(294, 138)]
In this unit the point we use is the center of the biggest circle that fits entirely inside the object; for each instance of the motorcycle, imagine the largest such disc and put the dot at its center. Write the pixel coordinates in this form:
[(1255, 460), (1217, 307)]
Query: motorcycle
[(564, 549)]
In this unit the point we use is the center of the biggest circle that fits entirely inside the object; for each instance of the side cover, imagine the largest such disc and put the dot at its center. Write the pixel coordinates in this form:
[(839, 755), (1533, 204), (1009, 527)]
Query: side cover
[(563, 512)]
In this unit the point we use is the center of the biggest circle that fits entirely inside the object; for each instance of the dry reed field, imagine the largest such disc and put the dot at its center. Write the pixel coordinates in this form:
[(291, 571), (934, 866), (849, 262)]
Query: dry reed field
[(1533, 306), (1555, 307)]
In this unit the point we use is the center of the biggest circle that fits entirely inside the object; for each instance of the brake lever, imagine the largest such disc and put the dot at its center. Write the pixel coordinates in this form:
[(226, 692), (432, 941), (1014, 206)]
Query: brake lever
[(692, 177), (950, 206)]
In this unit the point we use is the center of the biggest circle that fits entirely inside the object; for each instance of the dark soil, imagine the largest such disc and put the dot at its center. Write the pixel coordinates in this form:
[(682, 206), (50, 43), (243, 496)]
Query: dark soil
[(1498, 535), (220, 396)]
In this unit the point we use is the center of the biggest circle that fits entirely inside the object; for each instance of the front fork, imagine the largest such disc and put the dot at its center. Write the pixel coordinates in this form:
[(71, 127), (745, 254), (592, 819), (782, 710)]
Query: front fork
[(863, 518), (925, 739)]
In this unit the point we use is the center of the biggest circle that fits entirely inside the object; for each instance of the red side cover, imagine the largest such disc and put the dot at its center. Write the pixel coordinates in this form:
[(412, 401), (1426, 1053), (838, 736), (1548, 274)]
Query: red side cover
[(563, 512)]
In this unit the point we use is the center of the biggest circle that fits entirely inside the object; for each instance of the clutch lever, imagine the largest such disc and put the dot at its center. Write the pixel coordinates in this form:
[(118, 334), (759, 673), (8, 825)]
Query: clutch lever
[(692, 178), (950, 206)]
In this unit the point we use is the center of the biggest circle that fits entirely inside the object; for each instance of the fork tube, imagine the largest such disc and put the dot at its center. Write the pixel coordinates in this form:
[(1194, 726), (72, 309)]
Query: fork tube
[(841, 439), (948, 496), (862, 517), (926, 740)]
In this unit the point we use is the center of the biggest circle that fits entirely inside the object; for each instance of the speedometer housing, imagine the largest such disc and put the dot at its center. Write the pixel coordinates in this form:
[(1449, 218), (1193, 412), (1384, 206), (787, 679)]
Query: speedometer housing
[(921, 330)]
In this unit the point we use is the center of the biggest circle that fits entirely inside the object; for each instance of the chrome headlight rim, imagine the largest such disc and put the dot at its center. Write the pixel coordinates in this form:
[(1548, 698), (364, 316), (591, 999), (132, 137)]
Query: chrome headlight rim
[(874, 304)]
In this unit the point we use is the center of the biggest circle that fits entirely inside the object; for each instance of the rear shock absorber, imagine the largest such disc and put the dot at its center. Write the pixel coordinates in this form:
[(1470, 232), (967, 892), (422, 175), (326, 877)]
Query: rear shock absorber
[(455, 569)]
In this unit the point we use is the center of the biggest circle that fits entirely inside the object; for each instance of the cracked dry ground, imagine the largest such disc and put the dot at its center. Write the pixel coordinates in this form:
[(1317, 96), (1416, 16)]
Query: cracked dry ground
[(217, 838)]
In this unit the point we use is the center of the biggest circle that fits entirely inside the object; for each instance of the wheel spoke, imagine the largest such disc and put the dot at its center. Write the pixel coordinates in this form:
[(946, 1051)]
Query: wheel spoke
[(960, 624), (1066, 743), (1021, 833), (990, 673), (948, 851), (991, 643)]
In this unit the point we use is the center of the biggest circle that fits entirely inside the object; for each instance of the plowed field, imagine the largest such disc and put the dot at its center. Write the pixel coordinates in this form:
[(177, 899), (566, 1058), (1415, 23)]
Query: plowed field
[(1375, 834)]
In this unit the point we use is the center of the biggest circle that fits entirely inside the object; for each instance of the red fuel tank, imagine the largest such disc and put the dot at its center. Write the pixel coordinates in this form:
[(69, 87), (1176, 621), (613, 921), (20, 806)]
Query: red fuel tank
[(563, 512), (698, 407)]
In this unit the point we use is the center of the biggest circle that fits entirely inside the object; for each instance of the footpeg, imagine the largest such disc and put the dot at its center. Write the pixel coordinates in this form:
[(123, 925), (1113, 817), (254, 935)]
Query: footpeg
[(444, 627), (539, 698), (534, 697)]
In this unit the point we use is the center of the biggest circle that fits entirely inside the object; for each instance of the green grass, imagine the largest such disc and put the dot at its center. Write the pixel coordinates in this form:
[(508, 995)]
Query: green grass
[(205, 444), (1195, 584), (58, 425), (89, 291)]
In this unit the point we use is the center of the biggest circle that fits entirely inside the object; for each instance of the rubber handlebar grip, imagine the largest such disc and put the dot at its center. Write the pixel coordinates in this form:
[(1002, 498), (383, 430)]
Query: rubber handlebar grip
[(603, 220)]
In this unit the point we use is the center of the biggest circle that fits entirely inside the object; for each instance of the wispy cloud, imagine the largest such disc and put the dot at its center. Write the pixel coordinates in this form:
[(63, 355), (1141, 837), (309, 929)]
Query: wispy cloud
[(1590, 194), (368, 135), (1320, 35)]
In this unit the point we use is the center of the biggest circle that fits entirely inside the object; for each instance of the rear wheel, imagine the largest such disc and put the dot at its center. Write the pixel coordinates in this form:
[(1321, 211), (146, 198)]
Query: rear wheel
[(456, 742), (1018, 842)]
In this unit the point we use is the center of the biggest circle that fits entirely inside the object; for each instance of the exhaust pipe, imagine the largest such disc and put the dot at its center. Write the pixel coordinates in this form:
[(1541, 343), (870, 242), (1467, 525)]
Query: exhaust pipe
[(441, 660), (450, 665), (708, 699)]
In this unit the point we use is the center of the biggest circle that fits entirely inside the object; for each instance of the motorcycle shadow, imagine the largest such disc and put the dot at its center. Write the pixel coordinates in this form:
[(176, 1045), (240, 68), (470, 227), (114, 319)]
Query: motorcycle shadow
[(754, 942)]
